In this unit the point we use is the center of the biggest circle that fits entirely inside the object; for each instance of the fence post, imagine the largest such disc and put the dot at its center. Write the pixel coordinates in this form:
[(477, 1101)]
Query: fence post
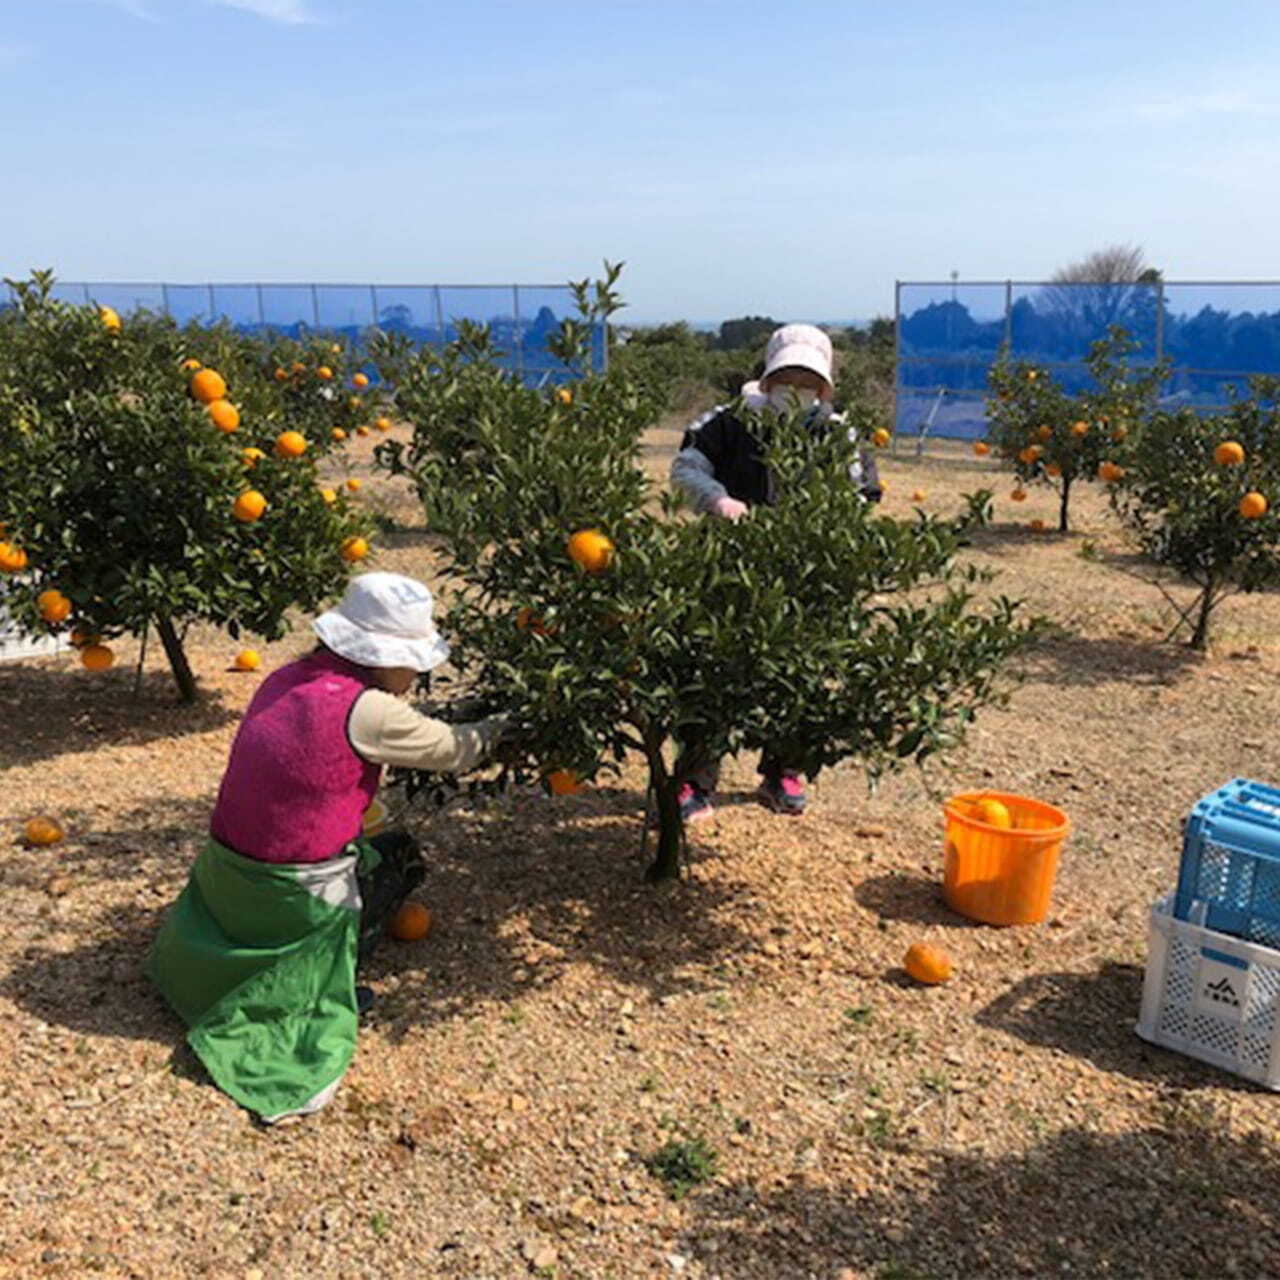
[(315, 306), (515, 310), (164, 300)]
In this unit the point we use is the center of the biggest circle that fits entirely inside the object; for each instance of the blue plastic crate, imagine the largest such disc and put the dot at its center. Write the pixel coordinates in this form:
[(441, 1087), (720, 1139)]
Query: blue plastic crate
[(1231, 863)]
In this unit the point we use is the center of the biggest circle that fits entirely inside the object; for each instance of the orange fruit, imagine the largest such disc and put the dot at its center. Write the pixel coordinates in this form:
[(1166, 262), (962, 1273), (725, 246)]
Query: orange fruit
[(353, 485), (411, 923), (110, 318), (383, 424), (1019, 495), (1228, 454), (97, 657), (329, 496), (918, 495), (981, 448), (1052, 469), (1030, 455), (54, 607), (191, 364), (81, 636), (362, 430), (336, 349), (591, 550), (338, 434), (324, 373), (1079, 430), (282, 375), (249, 506), (927, 964), (1253, 505), (1037, 526), (993, 812), (248, 660), (1109, 472), (1045, 434), (43, 832), (12, 559), (527, 620), (299, 367), (291, 444), (360, 380), (251, 457), (563, 782), (1032, 375), (564, 395), (355, 402), (226, 417), (208, 386), (880, 437), (1119, 434), (353, 549)]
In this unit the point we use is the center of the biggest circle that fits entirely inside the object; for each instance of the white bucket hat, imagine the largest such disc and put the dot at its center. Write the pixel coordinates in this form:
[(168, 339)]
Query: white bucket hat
[(384, 620), (799, 346)]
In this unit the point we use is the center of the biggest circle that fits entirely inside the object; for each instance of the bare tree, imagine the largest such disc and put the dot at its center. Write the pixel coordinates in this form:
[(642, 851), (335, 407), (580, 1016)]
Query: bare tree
[(1111, 286)]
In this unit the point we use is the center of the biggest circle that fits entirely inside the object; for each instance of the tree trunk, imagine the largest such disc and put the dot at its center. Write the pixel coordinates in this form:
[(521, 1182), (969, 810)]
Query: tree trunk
[(1200, 636), (178, 663), (666, 862), (1062, 506)]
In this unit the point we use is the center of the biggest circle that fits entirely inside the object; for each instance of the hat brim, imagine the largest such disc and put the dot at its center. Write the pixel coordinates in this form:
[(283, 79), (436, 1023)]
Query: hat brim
[(800, 355), (377, 649)]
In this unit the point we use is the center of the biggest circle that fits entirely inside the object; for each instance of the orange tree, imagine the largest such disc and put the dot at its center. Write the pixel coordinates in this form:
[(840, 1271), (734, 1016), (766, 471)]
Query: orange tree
[(140, 488), (1052, 437), (1200, 494), (607, 622)]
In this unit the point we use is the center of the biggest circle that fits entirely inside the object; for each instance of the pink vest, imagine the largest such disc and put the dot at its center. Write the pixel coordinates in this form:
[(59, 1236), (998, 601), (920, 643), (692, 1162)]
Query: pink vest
[(294, 789)]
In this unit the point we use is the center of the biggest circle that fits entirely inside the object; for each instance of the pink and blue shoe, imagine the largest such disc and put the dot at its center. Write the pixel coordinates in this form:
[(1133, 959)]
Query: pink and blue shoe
[(783, 794), (695, 804)]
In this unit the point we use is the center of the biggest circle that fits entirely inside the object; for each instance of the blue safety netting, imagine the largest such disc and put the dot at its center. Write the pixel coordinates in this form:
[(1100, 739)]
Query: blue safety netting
[(520, 317), (1215, 337)]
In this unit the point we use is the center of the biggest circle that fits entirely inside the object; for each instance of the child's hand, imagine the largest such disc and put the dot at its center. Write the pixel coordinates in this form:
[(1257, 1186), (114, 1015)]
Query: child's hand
[(729, 509)]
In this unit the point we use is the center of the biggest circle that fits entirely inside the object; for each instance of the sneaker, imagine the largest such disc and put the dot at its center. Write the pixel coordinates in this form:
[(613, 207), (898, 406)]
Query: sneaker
[(695, 804), (364, 1000), (784, 794)]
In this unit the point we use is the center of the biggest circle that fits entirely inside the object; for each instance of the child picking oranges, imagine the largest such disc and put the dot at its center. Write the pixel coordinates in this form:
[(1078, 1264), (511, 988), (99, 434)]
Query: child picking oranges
[(259, 953), (721, 469)]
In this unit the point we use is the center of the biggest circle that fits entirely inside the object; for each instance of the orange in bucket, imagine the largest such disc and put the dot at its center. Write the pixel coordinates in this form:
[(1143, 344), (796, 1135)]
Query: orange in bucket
[(1001, 873)]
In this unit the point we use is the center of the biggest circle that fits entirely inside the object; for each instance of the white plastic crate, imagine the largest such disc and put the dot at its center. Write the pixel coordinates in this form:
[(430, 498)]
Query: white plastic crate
[(1212, 996), (13, 644)]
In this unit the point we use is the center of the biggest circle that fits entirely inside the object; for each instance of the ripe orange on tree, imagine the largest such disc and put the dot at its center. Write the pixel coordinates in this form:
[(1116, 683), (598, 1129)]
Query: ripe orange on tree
[(564, 782), (1030, 455), (360, 380), (353, 549), (207, 385), (1253, 505), (981, 448), (1110, 472), (42, 832), (191, 364), (564, 395), (324, 373), (1045, 434), (251, 457), (591, 550), (527, 620), (1079, 430), (299, 367), (411, 923), (54, 606), (338, 434), (225, 416), (927, 964), (249, 506), (281, 375), (329, 496), (362, 430), (383, 424), (110, 318), (880, 437), (355, 402), (291, 444), (1229, 454), (1052, 469), (97, 657), (12, 558), (82, 636)]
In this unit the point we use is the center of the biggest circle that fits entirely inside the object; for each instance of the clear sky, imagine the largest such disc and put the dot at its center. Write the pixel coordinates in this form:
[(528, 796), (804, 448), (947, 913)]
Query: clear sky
[(792, 159)]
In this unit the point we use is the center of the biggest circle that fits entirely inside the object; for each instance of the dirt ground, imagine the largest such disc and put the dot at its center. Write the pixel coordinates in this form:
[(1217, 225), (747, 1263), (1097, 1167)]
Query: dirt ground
[(563, 1021)]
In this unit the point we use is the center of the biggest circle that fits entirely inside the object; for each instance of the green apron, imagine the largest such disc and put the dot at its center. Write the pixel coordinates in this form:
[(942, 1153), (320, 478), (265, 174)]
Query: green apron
[(259, 959)]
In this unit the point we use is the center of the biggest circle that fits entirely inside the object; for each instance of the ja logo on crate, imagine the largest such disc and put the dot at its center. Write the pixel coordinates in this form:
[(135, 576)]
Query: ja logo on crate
[(1220, 989)]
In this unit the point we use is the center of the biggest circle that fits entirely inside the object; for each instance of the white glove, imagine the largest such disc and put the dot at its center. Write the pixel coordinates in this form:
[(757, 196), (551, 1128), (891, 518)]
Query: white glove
[(729, 509)]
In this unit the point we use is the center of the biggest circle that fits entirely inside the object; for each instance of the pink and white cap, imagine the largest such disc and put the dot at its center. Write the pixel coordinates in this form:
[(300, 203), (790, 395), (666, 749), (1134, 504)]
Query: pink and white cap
[(799, 346)]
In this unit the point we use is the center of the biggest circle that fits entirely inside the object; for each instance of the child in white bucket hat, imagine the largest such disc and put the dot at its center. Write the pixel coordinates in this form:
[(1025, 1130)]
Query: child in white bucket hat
[(720, 468), (259, 953)]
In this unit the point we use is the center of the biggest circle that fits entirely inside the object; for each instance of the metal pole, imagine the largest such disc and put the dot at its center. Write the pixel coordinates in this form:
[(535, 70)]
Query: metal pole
[(262, 314), (519, 335), (164, 300), (315, 306)]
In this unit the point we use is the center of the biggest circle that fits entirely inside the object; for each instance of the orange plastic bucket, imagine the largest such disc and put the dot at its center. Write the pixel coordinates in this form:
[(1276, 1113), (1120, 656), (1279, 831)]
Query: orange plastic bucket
[(997, 875)]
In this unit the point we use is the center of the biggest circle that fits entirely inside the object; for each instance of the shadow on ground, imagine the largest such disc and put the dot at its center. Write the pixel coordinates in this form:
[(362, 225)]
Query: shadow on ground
[(913, 899), (1179, 1199), (53, 711), (1086, 661), (1092, 1016)]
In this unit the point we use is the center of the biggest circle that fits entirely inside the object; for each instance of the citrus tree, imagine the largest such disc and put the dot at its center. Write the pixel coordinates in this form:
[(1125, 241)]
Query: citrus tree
[(1199, 492), (1050, 436), (607, 622), (144, 487)]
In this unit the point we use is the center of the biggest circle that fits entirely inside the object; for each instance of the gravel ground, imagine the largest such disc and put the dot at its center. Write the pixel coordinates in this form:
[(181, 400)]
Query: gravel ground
[(563, 1021)]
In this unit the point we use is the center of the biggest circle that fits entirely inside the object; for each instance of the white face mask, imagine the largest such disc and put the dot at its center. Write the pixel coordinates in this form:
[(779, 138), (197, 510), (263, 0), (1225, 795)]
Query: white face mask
[(784, 399)]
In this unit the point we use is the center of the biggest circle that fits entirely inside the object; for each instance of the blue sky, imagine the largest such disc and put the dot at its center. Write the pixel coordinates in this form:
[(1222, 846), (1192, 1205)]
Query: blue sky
[(741, 157)]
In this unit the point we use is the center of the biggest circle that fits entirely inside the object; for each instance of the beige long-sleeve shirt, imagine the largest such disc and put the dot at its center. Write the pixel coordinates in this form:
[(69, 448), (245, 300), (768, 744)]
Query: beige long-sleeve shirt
[(385, 730)]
